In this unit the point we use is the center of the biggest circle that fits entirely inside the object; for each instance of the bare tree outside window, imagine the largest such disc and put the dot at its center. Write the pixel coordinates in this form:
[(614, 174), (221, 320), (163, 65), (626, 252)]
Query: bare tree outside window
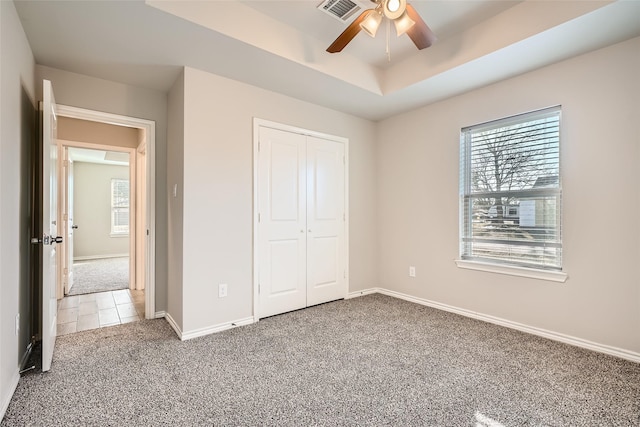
[(510, 188)]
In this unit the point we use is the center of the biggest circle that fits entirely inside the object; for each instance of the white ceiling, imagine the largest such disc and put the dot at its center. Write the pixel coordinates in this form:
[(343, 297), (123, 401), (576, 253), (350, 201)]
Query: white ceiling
[(280, 45), (102, 157), (445, 18)]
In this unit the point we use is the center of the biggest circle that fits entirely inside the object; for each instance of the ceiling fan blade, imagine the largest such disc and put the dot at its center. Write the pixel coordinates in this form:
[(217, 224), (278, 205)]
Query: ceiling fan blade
[(347, 35), (420, 33)]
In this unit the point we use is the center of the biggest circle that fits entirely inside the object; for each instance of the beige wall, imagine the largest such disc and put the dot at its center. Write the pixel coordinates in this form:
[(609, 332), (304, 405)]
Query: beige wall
[(175, 175), (101, 95), (92, 211), (17, 97), (97, 133), (418, 163), (218, 185)]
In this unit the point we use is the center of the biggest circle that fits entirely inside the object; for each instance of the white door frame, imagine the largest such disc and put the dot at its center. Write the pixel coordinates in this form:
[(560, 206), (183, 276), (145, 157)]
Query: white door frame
[(149, 141), (133, 208), (257, 123)]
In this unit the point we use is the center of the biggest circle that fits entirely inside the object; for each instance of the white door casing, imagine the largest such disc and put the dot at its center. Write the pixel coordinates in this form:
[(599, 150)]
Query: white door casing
[(68, 244), (49, 227), (300, 240), (148, 216), (141, 208)]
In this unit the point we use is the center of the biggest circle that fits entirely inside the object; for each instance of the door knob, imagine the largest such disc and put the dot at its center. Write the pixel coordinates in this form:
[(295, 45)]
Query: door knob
[(56, 240), (74, 227)]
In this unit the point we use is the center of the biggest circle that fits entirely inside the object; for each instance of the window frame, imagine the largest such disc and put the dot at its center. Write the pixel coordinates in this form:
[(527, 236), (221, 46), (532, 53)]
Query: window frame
[(114, 231), (507, 265)]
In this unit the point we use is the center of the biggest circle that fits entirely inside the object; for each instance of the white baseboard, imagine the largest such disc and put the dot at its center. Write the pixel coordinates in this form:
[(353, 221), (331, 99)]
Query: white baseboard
[(160, 314), (4, 404), (556, 336), (362, 293), (173, 325), (89, 257), (216, 328)]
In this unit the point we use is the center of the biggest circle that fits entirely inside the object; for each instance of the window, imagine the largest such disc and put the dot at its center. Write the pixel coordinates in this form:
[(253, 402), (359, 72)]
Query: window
[(510, 192), (119, 207)]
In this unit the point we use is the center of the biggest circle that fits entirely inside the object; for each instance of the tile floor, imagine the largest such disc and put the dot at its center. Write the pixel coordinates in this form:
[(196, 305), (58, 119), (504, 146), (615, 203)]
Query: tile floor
[(83, 312)]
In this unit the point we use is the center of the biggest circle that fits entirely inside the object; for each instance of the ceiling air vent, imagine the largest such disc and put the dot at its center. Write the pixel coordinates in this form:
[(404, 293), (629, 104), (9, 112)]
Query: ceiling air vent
[(340, 9)]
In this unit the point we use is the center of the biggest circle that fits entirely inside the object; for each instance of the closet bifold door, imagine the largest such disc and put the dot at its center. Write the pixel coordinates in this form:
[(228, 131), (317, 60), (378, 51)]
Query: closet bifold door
[(282, 224), (326, 270), (301, 224)]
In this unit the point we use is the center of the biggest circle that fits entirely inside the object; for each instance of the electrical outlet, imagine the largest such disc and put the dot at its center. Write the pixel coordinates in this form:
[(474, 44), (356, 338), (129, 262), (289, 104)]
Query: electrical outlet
[(222, 290), (412, 271), (17, 323)]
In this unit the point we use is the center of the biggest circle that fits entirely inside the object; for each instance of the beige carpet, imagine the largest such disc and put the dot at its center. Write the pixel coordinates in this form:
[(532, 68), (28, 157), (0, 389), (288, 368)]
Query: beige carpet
[(100, 275), (367, 361)]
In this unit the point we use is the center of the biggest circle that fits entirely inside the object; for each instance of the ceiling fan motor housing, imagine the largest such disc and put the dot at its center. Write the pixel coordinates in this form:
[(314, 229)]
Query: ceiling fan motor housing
[(393, 9)]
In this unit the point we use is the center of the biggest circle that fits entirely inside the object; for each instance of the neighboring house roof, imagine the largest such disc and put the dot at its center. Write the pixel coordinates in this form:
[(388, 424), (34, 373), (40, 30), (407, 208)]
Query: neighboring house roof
[(546, 181)]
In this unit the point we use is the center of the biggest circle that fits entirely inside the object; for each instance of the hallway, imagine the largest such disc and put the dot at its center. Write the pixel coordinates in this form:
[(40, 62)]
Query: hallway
[(98, 310)]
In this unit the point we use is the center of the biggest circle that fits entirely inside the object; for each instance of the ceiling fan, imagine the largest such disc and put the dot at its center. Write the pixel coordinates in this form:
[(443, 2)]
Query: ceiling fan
[(404, 17)]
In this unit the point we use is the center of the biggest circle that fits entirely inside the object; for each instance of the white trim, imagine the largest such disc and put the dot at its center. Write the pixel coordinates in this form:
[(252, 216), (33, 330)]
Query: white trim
[(362, 293), (160, 314), (173, 324), (257, 123), (62, 191), (12, 389), (216, 328), (255, 243), (89, 257), (555, 336), (553, 276), (149, 128)]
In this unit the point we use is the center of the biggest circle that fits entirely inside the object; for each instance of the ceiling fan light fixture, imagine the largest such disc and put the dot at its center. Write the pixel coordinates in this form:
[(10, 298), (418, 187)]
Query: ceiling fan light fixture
[(403, 24), (372, 22), (393, 9)]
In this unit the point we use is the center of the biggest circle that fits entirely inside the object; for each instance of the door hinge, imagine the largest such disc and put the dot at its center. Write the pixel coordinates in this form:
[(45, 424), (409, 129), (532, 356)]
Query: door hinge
[(147, 232)]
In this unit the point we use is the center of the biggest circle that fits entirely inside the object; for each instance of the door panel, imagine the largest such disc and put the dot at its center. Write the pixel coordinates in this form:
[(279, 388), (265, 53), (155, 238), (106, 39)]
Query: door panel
[(324, 254), (326, 269), (326, 171), (284, 182), (49, 227), (284, 276), (282, 210)]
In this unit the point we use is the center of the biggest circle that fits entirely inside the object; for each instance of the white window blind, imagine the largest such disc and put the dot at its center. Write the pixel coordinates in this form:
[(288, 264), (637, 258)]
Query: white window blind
[(119, 206), (510, 191)]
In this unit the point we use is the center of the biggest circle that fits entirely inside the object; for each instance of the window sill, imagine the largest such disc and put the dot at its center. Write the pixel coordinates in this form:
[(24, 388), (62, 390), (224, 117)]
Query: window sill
[(553, 276)]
